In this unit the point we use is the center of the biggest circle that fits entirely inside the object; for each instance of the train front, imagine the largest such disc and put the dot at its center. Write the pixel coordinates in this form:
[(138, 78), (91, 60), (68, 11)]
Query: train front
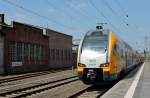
[(93, 57)]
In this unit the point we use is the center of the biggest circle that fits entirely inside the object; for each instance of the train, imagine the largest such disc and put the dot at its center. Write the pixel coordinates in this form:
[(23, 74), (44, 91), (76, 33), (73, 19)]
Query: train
[(104, 57)]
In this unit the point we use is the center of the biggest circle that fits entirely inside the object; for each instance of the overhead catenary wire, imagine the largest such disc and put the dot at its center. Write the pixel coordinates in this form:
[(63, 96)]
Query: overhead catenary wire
[(117, 15), (114, 12), (129, 24), (67, 14), (122, 9), (55, 7), (83, 13), (126, 14), (37, 14), (101, 13)]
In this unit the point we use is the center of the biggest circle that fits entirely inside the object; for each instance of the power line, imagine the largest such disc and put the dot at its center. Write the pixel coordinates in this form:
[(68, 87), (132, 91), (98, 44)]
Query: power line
[(52, 5), (117, 14), (37, 14), (101, 13), (122, 9), (124, 12), (82, 13), (114, 12), (75, 10), (61, 10)]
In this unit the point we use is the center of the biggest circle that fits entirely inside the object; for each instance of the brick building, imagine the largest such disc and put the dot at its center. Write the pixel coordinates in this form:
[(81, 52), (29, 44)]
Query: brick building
[(60, 49), (1, 51), (26, 48), (3, 29)]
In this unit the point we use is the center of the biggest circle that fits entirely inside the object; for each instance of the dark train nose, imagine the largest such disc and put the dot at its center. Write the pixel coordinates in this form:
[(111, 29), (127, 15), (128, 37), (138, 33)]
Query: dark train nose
[(91, 74)]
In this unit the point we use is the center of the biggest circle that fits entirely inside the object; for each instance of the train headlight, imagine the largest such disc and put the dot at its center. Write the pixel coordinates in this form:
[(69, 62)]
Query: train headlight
[(104, 65), (81, 65)]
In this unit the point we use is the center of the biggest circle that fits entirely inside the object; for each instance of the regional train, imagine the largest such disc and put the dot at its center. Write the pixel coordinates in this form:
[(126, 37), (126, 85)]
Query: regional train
[(102, 56)]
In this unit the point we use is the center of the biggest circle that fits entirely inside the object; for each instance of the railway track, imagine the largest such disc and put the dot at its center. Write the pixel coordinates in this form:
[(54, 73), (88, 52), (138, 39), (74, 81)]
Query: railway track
[(63, 91), (98, 91), (14, 78), (56, 87), (91, 92), (75, 89), (37, 88)]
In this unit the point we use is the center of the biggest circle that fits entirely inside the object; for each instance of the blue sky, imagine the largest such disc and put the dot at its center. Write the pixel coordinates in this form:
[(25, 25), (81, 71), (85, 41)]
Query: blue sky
[(76, 17)]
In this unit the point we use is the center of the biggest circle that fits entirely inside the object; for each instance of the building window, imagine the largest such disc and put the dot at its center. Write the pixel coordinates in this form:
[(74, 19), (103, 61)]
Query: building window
[(62, 55), (12, 51), (40, 54), (19, 51), (53, 54), (66, 54), (35, 55), (69, 54), (22, 52), (26, 52), (49, 51), (57, 54), (43, 54), (32, 52)]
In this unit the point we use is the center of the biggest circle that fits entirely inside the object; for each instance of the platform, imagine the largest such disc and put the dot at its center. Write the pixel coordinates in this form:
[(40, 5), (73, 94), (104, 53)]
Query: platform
[(134, 85)]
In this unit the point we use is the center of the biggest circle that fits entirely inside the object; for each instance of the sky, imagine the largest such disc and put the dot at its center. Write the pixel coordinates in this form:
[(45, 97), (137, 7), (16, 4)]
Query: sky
[(129, 19)]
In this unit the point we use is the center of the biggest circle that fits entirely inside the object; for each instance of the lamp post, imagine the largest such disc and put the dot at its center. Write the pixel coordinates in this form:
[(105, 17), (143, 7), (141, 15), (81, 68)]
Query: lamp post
[(147, 48)]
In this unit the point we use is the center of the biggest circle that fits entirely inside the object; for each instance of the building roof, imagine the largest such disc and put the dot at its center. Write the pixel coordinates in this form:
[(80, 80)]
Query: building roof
[(58, 32), (4, 28), (38, 27)]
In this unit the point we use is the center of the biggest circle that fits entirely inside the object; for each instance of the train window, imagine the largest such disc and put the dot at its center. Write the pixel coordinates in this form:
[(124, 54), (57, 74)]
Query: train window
[(100, 33), (122, 55), (95, 42), (115, 49)]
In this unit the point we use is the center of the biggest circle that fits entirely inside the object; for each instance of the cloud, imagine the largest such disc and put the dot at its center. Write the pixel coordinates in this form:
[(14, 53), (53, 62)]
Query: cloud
[(77, 4), (15, 1)]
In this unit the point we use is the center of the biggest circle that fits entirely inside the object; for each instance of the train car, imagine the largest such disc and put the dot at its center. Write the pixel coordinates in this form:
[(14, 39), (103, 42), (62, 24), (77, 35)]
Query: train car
[(102, 56)]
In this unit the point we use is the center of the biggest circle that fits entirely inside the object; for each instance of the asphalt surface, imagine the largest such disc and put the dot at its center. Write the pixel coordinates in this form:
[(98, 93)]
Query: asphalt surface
[(135, 85)]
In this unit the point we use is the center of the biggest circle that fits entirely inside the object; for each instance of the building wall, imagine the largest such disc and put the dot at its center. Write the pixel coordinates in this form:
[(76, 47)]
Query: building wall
[(1, 54), (74, 59), (60, 49), (26, 49)]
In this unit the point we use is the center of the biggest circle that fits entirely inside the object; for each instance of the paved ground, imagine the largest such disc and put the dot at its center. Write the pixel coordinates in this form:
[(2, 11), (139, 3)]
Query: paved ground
[(143, 87), (134, 85)]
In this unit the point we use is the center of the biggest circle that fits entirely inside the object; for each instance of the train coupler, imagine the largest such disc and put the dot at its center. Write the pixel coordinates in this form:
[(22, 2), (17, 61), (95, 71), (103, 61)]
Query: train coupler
[(91, 74)]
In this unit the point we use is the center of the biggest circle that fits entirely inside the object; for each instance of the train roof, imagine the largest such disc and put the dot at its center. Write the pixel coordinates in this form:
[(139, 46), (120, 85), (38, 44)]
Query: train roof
[(104, 31), (107, 31)]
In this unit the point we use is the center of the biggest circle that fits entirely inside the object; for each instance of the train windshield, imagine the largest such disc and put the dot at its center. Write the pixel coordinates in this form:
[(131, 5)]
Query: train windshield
[(95, 42)]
